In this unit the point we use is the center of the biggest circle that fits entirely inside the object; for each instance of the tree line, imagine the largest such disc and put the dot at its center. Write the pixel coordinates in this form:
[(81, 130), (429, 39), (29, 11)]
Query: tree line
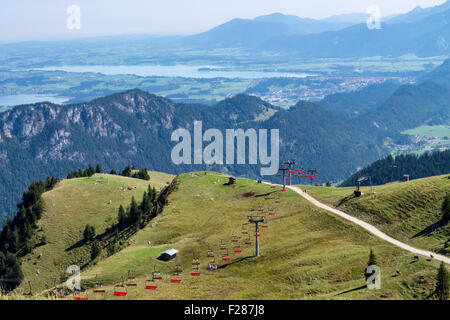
[(393, 168), (128, 171), (16, 235)]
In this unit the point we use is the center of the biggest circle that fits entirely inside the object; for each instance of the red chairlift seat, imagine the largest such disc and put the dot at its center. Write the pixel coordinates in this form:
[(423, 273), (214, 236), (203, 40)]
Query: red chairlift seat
[(131, 280), (59, 293), (178, 269), (150, 285), (195, 267), (223, 245), (237, 249), (257, 234), (277, 201), (271, 213), (98, 286), (225, 256), (195, 272), (234, 239), (265, 226), (120, 290), (175, 278), (156, 274), (80, 295), (99, 290)]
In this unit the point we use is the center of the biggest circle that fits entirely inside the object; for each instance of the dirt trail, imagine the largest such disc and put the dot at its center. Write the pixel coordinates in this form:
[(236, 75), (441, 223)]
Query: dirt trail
[(369, 227)]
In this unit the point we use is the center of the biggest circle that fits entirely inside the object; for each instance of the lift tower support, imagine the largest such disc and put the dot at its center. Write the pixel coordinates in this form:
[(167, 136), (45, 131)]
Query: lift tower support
[(256, 220), (289, 164)]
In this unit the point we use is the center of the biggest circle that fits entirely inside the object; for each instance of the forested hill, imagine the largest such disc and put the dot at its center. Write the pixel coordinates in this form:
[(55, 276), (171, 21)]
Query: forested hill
[(392, 169), (135, 127)]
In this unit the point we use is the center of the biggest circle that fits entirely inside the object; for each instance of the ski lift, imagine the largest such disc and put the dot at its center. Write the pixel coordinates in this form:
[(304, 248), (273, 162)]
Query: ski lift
[(223, 245), (80, 295), (98, 286), (234, 238), (210, 254), (271, 211), (237, 249), (131, 280), (59, 293), (175, 278), (178, 268), (120, 290), (156, 274), (31, 290), (195, 267), (248, 241), (225, 256), (244, 229), (212, 265), (265, 226), (150, 284)]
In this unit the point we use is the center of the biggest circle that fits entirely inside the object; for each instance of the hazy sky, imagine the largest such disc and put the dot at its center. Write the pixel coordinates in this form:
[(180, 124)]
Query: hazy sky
[(46, 19)]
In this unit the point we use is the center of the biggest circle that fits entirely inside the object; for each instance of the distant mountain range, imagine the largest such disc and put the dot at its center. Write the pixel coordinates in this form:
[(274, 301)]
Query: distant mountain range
[(423, 32), (427, 37), (419, 13)]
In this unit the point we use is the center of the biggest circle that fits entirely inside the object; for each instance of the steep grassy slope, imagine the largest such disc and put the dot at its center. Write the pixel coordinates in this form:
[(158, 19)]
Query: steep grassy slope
[(410, 212), (69, 207), (306, 253)]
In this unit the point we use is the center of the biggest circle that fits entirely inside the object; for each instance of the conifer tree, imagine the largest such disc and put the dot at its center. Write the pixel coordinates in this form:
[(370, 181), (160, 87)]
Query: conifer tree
[(146, 204), (446, 208), (122, 215), (89, 232), (135, 212), (95, 250), (372, 262), (443, 283)]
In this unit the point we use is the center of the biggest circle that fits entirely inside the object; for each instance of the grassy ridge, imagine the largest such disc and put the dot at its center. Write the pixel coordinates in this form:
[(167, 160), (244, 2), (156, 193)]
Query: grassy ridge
[(409, 212), (307, 253), (71, 205)]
